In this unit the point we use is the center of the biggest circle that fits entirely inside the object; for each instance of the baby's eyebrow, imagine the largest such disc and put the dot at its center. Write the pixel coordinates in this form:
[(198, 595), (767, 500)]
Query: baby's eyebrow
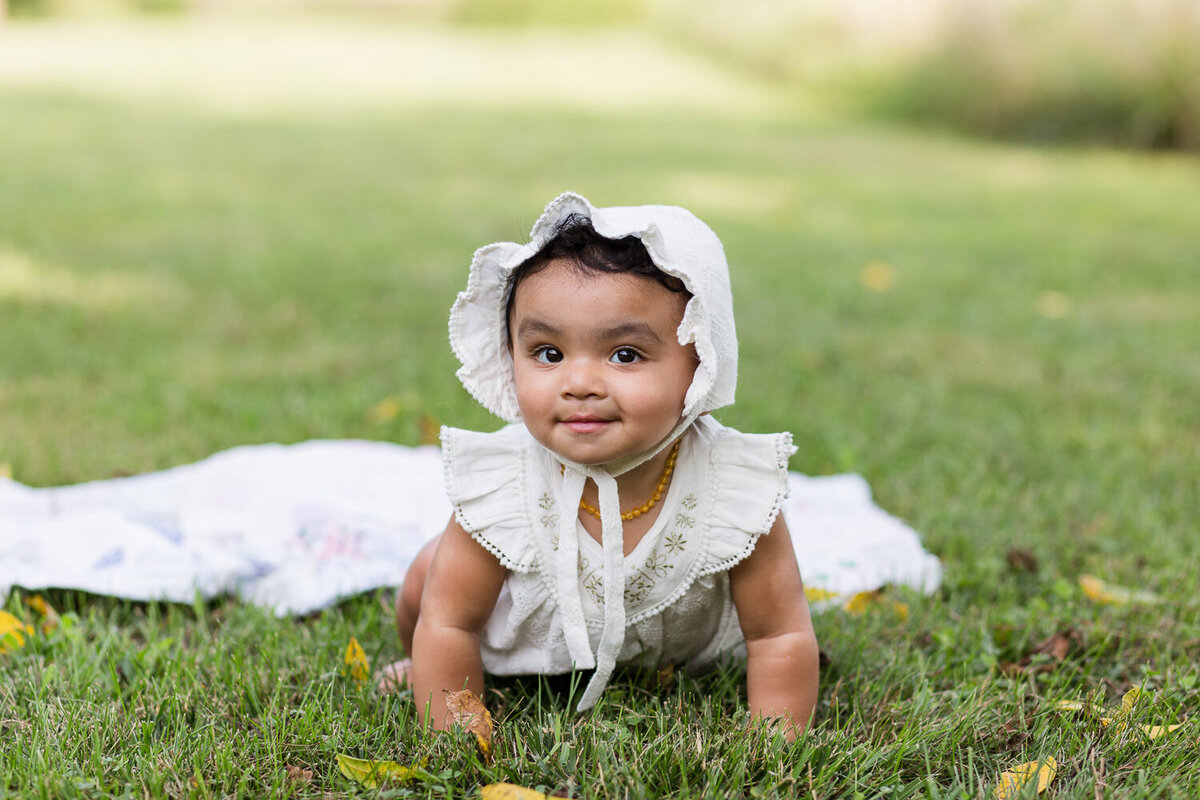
[(532, 327), (626, 329)]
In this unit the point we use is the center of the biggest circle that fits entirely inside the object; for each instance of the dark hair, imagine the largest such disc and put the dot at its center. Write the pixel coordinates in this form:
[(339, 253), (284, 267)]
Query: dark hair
[(576, 243)]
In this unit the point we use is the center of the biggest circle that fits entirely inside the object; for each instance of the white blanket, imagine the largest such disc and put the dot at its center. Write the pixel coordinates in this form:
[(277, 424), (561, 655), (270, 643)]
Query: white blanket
[(298, 527)]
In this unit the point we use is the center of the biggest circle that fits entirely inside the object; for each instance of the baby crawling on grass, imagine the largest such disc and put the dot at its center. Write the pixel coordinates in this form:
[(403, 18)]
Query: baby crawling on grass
[(614, 522)]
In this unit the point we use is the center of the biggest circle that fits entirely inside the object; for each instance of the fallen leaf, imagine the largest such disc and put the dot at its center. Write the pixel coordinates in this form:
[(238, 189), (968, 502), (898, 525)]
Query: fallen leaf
[(356, 661), (1054, 305), (431, 429), (861, 602), (816, 594), (297, 774), (877, 276), (1111, 594), (468, 712), (510, 791), (1022, 560), (1070, 705), (372, 773), (1056, 645), (385, 410), (50, 618), (1155, 731), (1013, 781), (12, 632), (1130, 699), (666, 674)]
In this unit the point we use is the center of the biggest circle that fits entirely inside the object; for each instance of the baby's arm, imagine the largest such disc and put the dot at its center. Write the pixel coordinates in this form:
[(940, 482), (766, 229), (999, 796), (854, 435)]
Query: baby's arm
[(460, 593), (781, 648)]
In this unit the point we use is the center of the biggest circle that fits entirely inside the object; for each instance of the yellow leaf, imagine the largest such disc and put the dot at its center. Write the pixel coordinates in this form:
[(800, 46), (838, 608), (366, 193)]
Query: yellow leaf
[(468, 711), (1155, 731), (356, 661), (1013, 781), (1130, 699), (1069, 705), (385, 410), (372, 773), (1111, 594), (510, 791), (12, 632), (877, 276), (1054, 305), (861, 602), (816, 595), (50, 618), (6, 470)]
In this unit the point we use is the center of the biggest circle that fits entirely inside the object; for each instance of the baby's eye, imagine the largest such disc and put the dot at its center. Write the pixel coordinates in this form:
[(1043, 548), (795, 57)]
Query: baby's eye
[(548, 355), (625, 355)]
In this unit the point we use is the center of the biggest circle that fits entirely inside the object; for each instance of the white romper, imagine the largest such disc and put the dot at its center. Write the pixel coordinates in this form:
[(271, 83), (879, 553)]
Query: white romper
[(726, 490)]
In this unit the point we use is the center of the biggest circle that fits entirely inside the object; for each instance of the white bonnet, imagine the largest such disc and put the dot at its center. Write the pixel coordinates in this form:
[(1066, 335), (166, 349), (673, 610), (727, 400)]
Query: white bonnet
[(678, 243)]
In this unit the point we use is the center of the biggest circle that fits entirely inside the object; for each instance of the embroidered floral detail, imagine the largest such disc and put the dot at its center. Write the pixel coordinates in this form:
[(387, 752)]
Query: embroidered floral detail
[(637, 587), (546, 501), (684, 520), (592, 582), (658, 563), (688, 502), (550, 520), (675, 542)]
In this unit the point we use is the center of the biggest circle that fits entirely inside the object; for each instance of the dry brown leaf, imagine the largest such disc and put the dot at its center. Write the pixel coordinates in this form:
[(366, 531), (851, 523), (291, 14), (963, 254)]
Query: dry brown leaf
[(431, 429), (1014, 780), (1057, 645), (666, 674), (297, 774), (468, 712), (1022, 560)]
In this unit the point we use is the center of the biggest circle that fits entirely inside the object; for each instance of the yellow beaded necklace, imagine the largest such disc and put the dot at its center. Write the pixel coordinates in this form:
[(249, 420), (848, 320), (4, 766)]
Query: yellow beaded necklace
[(654, 498)]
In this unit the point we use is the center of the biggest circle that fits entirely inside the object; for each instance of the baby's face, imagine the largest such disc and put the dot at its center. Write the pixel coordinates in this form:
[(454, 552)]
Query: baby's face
[(599, 372)]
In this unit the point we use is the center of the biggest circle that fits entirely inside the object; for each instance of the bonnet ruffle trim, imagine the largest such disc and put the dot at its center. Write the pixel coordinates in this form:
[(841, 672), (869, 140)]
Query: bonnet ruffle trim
[(485, 476)]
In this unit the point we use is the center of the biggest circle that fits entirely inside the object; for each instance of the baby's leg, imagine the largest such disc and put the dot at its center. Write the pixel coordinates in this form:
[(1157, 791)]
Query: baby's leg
[(395, 676)]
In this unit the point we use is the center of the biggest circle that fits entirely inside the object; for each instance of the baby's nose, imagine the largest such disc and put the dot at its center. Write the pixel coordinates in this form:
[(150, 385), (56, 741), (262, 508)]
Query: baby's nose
[(583, 377)]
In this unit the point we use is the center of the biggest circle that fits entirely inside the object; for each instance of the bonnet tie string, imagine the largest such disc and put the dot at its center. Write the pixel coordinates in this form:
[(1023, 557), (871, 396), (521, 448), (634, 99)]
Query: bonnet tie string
[(567, 574), (571, 602), (612, 538)]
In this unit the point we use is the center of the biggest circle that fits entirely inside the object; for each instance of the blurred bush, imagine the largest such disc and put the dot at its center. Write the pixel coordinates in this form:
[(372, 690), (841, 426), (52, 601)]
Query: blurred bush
[(1123, 72)]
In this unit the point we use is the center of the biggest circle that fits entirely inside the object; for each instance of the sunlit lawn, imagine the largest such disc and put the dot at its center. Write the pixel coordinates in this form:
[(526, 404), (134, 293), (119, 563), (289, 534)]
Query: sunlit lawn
[(196, 253)]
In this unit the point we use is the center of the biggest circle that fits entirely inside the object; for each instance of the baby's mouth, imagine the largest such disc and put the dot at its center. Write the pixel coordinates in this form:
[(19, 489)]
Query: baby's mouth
[(584, 423)]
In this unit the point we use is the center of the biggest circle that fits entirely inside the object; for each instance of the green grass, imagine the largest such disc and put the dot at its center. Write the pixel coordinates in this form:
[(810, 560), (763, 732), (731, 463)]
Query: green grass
[(178, 276)]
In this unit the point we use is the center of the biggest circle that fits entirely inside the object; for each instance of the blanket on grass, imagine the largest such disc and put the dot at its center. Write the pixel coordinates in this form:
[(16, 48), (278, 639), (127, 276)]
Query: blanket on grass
[(299, 527)]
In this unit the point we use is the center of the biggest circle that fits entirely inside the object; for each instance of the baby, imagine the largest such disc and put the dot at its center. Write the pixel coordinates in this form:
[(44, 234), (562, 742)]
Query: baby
[(615, 522)]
